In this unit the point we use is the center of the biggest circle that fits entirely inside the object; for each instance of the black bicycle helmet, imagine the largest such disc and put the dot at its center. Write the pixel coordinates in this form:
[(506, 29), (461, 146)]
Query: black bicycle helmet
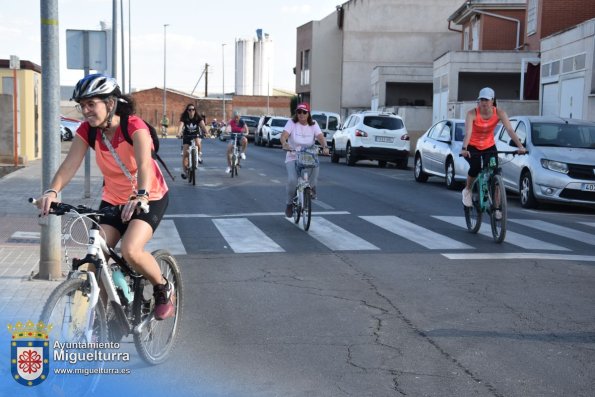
[(95, 85)]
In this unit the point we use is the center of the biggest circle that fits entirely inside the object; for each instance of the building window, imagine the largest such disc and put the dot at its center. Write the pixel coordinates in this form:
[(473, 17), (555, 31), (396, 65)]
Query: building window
[(305, 68), (531, 17)]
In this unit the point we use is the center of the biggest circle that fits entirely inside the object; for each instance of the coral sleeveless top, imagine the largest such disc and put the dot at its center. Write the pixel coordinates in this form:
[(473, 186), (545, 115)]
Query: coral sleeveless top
[(482, 134)]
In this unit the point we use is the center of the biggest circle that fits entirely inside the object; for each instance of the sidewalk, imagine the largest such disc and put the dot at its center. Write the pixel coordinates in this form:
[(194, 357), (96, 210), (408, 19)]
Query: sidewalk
[(22, 298)]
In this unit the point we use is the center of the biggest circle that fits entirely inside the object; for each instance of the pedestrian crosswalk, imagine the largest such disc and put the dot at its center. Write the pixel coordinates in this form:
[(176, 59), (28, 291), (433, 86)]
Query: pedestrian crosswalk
[(342, 231)]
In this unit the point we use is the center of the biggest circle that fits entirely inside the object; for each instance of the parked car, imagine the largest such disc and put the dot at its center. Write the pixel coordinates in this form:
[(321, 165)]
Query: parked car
[(272, 129), (437, 153), (560, 166), (328, 122), (252, 122), (372, 135), (68, 127), (258, 133)]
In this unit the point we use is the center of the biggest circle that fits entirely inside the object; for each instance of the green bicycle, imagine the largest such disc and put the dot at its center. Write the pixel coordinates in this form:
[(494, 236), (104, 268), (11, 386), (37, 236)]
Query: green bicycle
[(488, 195)]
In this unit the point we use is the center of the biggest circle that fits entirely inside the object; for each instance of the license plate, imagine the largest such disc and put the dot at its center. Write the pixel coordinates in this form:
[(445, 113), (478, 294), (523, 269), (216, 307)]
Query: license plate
[(588, 187), (385, 139)]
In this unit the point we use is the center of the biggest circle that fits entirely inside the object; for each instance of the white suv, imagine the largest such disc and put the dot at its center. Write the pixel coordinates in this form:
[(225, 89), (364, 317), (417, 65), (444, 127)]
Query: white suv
[(372, 136)]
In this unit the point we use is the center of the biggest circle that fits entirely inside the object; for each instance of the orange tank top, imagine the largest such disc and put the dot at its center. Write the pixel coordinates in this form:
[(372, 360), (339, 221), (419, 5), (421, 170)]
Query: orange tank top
[(482, 134)]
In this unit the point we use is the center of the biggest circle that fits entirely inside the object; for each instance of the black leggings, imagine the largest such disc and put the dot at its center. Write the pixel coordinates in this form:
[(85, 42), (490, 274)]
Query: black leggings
[(476, 157), (153, 217)]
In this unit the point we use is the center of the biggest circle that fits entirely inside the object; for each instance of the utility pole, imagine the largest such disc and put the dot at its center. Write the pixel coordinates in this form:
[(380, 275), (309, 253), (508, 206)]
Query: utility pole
[(206, 80), (164, 68), (123, 47), (50, 255), (115, 39), (223, 75)]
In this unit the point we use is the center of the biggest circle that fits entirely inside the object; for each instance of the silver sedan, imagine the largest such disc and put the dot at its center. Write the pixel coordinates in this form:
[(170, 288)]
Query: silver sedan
[(437, 153), (560, 166)]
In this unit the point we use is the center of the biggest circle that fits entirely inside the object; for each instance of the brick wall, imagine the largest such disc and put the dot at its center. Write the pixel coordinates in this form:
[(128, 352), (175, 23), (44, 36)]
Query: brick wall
[(149, 105), (557, 15), (500, 34)]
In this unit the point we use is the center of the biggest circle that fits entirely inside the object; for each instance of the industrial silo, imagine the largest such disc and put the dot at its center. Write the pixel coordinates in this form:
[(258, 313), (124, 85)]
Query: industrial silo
[(244, 67), (263, 64)]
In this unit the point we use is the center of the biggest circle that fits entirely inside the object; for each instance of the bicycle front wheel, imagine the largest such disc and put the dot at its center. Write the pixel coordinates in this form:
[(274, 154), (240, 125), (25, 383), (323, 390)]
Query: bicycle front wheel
[(192, 170), (156, 339), (498, 208), (67, 309), (473, 213), (307, 208)]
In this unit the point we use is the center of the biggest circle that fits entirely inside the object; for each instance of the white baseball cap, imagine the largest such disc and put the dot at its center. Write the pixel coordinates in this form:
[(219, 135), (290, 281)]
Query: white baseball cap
[(486, 93)]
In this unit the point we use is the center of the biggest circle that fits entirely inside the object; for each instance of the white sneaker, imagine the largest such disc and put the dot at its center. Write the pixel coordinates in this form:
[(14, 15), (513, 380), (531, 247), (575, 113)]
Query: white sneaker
[(467, 202), (200, 158), (228, 170), (498, 215), (243, 156)]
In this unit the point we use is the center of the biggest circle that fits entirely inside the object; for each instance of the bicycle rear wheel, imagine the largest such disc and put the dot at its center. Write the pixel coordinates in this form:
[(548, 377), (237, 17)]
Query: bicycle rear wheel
[(297, 208), (498, 195), (156, 339), (307, 216), (234, 161), (473, 213)]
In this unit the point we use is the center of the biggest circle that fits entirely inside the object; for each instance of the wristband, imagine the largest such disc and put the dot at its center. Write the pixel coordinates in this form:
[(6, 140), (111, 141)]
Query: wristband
[(50, 191), (464, 148), (142, 192)]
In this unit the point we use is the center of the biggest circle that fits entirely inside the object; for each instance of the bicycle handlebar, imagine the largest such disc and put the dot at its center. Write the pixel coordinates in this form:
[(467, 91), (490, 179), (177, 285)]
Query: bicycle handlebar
[(514, 152), (60, 209)]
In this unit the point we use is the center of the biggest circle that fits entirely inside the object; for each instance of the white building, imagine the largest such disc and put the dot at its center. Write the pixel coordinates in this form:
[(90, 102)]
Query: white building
[(254, 65)]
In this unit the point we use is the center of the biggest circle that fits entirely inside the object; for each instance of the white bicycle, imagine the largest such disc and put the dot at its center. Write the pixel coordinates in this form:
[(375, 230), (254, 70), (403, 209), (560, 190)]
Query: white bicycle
[(307, 159), (103, 301)]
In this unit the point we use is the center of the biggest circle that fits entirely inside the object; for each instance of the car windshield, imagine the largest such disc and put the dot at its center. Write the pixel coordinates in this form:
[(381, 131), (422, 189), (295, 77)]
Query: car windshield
[(383, 122), (249, 122), (563, 135), (278, 123), (320, 119)]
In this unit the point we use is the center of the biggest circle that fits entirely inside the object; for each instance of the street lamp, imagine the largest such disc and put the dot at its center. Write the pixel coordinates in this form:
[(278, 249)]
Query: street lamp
[(164, 66), (223, 75)]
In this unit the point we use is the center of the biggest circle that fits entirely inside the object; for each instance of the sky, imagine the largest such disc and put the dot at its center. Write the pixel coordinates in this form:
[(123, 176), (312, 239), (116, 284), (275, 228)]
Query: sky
[(196, 32)]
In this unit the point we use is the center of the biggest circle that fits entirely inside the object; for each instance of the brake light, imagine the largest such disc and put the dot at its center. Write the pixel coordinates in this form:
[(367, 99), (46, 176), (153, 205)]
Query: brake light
[(361, 133), (405, 137)]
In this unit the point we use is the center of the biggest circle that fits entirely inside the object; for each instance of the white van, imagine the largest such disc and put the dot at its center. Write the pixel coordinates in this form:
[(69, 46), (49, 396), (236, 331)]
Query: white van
[(328, 122)]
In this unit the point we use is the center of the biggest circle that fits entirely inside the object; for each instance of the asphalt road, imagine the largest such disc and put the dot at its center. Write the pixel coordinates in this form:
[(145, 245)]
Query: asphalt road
[(387, 295)]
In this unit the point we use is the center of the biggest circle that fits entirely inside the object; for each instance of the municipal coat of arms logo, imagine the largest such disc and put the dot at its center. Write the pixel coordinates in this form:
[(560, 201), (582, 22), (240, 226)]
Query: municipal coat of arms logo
[(29, 352)]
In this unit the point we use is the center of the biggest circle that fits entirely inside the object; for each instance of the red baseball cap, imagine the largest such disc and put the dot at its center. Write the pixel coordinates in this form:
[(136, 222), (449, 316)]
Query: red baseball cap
[(303, 106)]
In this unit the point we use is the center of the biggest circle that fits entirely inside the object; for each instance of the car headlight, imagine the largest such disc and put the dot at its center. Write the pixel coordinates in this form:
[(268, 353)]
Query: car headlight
[(556, 166)]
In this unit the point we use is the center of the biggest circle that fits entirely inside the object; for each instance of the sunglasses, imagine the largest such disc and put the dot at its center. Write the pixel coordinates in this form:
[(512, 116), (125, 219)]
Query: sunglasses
[(191, 109), (90, 105), (300, 111)]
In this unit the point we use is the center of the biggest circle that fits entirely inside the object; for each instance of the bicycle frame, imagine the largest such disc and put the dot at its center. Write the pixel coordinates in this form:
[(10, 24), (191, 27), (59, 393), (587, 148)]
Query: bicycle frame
[(483, 182)]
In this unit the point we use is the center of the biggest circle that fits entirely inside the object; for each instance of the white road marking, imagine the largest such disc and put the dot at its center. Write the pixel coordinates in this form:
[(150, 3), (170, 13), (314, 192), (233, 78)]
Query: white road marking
[(335, 237), (415, 233), (592, 224), (513, 238), (246, 214), (167, 237), (557, 230), (26, 236), (243, 236), (520, 255)]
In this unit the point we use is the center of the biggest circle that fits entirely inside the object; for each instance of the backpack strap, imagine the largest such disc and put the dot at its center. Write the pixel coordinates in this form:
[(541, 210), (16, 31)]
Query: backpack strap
[(92, 136)]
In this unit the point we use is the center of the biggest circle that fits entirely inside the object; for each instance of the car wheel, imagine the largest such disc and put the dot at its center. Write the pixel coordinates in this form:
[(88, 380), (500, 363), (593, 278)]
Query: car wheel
[(349, 155), (334, 155), (527, 197), (381, 164), (449, 175), (269, 142), (418, 173)]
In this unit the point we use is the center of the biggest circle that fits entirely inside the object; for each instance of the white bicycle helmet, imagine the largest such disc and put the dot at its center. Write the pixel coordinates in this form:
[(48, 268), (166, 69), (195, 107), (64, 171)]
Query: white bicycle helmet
[(95, 85)]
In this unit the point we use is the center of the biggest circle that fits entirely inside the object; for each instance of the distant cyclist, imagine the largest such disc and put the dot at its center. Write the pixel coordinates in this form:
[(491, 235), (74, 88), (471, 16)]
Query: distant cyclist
[(190, 124), (479, 136), (237, 126), (164, 126)]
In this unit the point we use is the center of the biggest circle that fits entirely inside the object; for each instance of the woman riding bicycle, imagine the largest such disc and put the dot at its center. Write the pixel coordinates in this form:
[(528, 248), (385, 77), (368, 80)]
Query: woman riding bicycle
[(300, 131), (237, 126), (190, 122), (131, 177), (479, 144)]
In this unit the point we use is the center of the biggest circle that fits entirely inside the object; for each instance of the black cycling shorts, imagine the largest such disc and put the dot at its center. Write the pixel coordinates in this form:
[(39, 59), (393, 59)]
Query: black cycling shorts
[(476, 157), (153, 217), (186, 140)]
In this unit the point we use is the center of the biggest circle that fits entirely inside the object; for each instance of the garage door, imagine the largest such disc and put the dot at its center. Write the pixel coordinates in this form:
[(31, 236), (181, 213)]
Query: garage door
[(571, 98)]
